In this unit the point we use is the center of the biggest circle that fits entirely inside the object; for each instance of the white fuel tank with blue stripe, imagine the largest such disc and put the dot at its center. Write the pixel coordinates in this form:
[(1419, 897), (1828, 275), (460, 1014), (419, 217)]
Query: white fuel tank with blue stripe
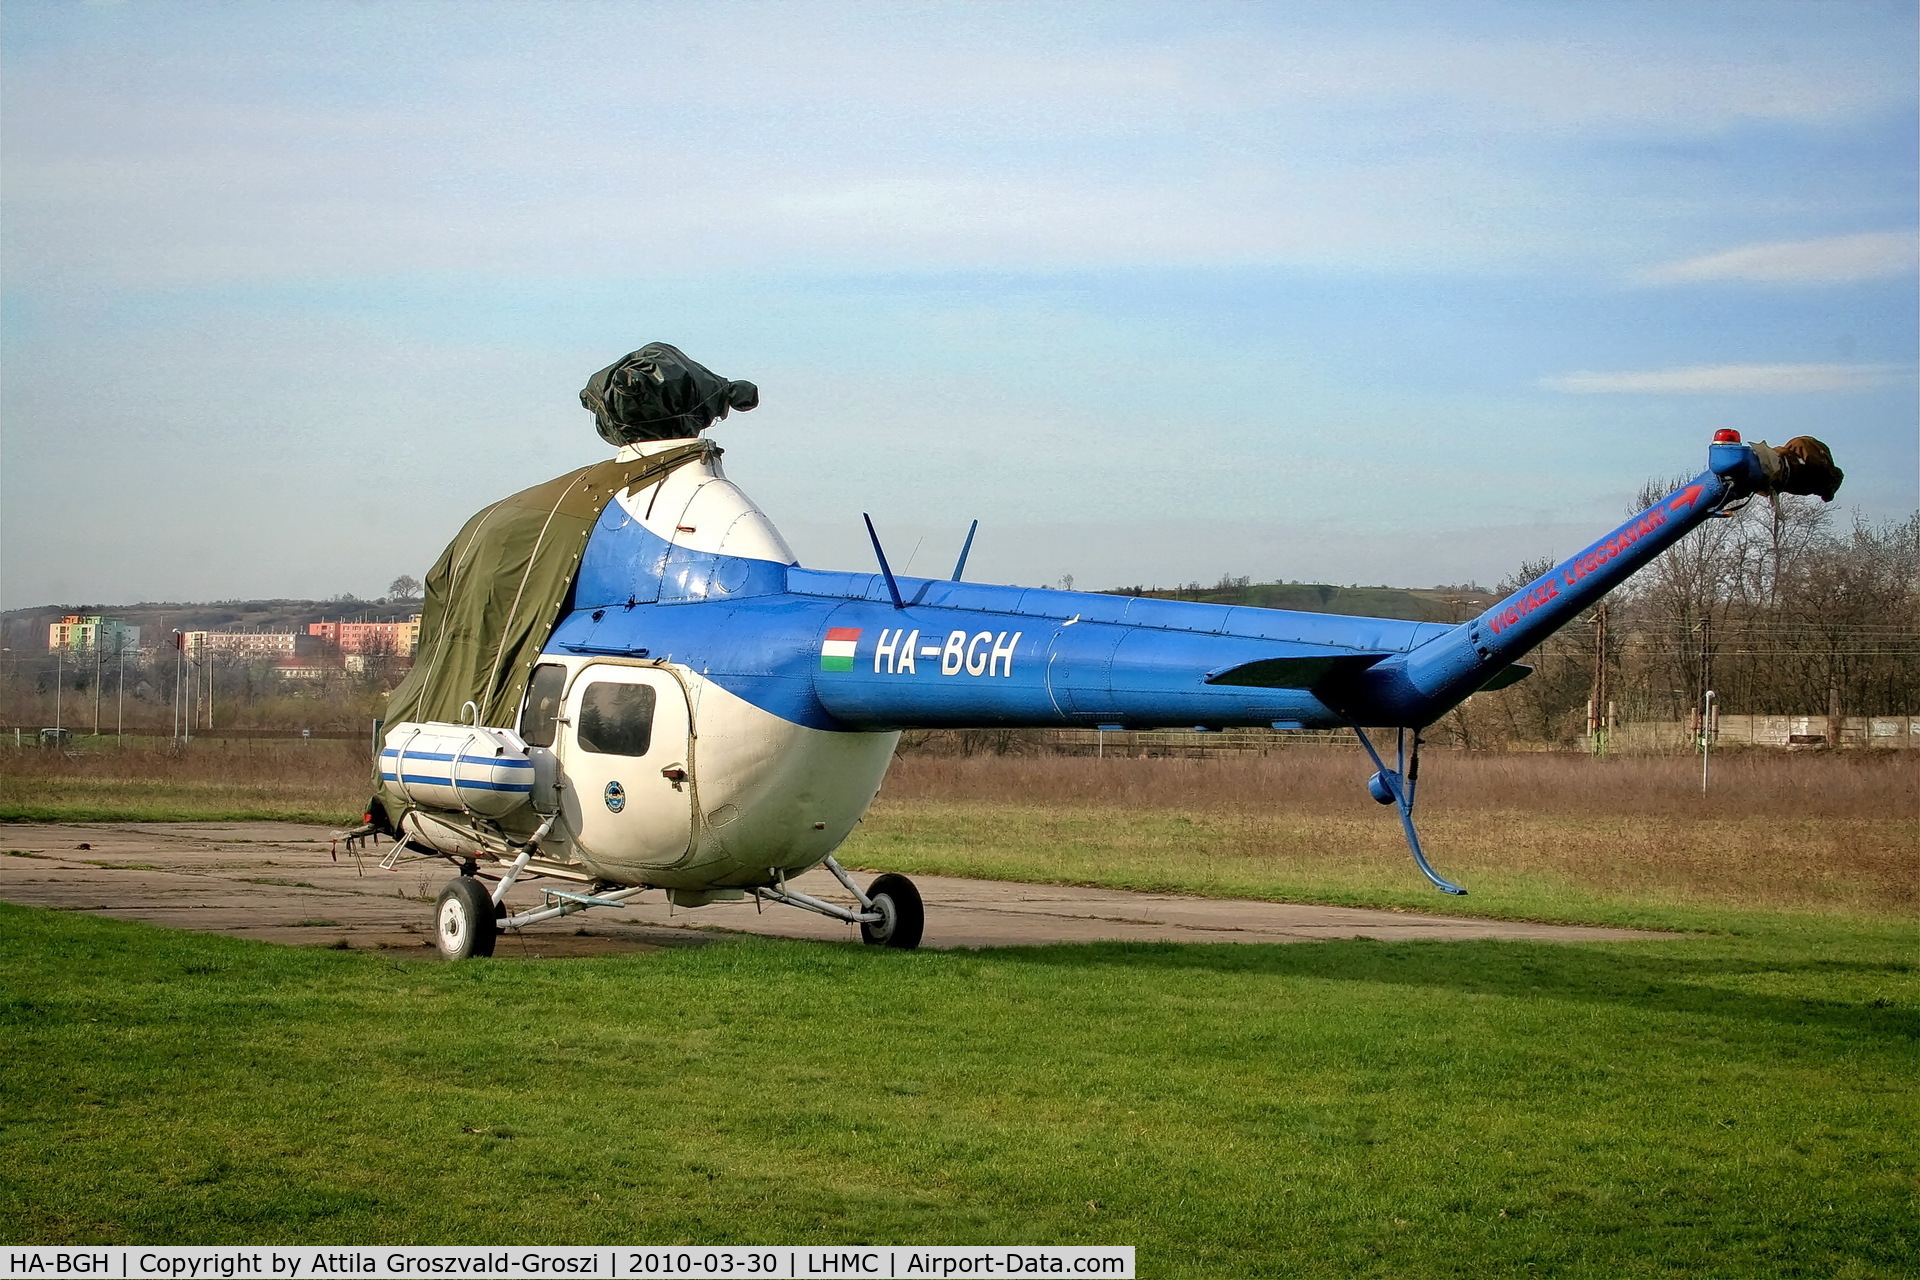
[(472, 768)]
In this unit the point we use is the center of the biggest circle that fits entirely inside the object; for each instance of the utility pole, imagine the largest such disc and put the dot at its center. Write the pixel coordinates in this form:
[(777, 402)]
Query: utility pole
[(1706, 739), (1706, 666), (179, 654), (1597, 707)]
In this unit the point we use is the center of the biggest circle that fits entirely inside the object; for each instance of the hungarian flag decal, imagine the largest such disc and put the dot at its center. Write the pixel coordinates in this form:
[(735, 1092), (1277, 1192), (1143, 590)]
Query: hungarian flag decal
[(836, 651)]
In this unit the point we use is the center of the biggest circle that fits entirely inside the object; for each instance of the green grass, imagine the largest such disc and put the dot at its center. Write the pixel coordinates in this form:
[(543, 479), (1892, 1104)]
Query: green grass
[(1733, 1104), (1736, 1102)]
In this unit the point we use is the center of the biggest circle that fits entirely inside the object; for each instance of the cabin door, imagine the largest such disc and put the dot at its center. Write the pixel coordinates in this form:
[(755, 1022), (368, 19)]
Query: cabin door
[(625, 740)]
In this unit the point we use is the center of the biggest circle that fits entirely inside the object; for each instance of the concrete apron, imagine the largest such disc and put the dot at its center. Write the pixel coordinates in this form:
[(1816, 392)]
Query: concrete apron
[(282, 882)]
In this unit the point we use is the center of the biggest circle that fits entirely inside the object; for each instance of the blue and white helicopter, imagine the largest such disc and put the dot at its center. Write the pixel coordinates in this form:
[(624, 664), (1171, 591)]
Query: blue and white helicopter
[(708, 718)]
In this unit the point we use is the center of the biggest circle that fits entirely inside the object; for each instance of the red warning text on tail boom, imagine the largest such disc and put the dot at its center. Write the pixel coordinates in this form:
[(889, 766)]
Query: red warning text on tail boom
[(1590, 561)]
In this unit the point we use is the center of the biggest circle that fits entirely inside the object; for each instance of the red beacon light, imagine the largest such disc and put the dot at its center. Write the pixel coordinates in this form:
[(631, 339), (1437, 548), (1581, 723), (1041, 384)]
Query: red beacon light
[(1726, 435)]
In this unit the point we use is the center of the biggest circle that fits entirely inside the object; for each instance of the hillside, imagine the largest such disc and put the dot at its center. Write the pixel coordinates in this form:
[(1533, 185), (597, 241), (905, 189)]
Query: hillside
[(25, 630)]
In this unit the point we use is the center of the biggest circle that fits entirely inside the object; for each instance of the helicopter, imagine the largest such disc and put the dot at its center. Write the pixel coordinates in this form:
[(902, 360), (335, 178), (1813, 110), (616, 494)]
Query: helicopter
[(626, 682)]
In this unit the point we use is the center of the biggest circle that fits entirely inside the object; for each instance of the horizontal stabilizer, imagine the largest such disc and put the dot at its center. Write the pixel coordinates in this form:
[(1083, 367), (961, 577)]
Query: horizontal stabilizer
[(1294, 673), (1512, 673)]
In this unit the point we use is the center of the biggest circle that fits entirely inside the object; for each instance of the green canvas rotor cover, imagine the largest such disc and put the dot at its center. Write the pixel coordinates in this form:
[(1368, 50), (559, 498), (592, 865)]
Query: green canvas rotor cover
[(495, 595)]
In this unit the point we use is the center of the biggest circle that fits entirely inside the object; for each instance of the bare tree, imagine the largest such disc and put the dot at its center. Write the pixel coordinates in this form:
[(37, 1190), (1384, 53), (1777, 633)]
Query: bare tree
[(404, 587)]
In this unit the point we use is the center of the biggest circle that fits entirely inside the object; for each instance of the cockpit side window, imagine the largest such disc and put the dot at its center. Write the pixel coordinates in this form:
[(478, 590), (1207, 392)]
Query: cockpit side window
[(542, 711), (616, 719)]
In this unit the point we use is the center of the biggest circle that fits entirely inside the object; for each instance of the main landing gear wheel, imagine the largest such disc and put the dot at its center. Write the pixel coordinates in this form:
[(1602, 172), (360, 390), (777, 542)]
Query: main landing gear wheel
[(902, 917), (465, 921)]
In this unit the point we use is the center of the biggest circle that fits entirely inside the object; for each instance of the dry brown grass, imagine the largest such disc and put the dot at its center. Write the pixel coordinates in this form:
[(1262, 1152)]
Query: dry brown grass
[(1786, 786), (1556, 835), (323, 780)]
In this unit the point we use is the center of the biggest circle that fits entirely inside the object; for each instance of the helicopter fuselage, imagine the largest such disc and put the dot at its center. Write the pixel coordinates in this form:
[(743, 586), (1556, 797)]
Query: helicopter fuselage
[(708, 716)]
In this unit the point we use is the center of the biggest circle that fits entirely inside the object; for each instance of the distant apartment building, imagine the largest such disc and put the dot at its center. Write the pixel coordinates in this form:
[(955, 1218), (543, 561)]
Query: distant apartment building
[(325, 666), (396, 638), (246, 644), (87, 632)]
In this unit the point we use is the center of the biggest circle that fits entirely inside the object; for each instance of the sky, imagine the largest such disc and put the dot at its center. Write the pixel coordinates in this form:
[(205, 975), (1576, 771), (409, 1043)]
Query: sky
[(1370, 293)]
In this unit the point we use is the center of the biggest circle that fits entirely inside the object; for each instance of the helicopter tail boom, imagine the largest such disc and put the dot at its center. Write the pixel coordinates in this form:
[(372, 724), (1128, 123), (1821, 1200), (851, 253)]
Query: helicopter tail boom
[(1419, 686)]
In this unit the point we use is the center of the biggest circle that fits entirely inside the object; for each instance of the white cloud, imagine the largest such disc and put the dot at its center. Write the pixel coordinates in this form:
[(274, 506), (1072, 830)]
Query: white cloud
[(275, 142), (1832, 260), (1731, 379)]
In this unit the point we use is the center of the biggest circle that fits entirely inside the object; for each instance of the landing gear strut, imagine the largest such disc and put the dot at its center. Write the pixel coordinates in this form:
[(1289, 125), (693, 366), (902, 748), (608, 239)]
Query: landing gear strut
[(1396, 787), (468, 919), (890, 913)]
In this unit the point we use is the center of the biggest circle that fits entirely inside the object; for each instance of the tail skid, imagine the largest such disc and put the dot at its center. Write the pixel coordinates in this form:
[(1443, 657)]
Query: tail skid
[(1397, 787)]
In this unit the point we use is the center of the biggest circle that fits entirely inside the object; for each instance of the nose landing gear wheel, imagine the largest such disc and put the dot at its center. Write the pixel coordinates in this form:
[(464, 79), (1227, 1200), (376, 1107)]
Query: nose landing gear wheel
[(902, 917), (464, 920)]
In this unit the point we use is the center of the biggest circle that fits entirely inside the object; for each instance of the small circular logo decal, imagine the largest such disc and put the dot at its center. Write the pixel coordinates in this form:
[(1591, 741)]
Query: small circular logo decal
[(616, 797)]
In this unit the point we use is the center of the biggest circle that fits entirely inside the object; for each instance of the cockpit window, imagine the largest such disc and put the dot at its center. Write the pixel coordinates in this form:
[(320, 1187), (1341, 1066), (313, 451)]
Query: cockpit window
[(542, 712), (616, 719)]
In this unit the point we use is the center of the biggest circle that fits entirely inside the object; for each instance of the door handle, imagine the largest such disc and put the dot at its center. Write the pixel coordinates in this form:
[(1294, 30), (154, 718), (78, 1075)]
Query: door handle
[(675, 774)]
